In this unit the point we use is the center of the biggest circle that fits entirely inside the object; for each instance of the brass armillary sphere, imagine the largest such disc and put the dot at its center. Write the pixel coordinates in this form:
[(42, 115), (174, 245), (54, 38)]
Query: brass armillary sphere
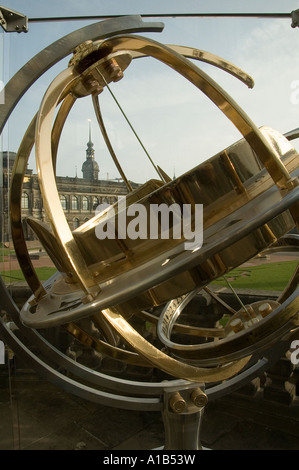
[(107, 292)]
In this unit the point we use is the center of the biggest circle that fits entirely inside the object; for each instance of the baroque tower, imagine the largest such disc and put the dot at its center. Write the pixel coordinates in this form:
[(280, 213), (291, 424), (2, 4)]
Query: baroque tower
[(90, 168)]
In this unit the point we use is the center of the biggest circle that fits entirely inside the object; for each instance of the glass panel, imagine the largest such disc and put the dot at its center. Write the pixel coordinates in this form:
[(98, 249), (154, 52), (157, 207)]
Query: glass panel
[(175, 123)]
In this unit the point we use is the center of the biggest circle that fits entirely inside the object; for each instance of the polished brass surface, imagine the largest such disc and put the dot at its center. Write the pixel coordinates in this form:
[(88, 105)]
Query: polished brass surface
[(250, 195), (209, 58), (15, 212), (213, 91), (103, 347), (168, 363)]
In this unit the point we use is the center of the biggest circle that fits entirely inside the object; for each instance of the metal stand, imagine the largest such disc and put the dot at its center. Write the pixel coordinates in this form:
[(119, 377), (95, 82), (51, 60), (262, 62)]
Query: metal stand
[(182, 415)]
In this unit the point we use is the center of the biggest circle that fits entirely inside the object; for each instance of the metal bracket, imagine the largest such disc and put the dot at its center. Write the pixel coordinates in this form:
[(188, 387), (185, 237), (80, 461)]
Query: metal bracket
[(295, 18), (13, 21)]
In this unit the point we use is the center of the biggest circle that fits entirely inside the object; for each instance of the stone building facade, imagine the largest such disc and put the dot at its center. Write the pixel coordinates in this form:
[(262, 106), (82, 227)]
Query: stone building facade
[(79, 196)]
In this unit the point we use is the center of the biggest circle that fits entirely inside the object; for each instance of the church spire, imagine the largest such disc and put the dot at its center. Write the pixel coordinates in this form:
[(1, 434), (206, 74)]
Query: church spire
[(90, 168), (90, 149)]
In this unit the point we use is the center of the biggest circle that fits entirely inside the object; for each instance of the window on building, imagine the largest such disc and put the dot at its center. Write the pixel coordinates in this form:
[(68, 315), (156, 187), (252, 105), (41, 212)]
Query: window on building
[(76, 223), (75, 203), (85, 203), (95, 202), (25, 201), (63, 201)]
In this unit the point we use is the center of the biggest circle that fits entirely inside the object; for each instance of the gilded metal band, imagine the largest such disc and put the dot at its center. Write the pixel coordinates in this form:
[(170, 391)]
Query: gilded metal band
[(104, 348), (14, 91), (244, 228), (55, 138), (167, 363), (257, 329), (193, 53), (184, 329), (44, 162), (211, 59), (61, 117), (15, 212), (119, 392), (44, 60), (222, 100), (67, 79), (118, 288)]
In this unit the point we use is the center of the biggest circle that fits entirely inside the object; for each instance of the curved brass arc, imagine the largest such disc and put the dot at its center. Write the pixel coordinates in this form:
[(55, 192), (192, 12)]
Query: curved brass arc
[(166, 363), (17, 178), (214, 92), (15, 195), (16, 191), (96, 105), (44, 162), (191, 53), (211, 59), (247, 341), (62, 114), (291, 286), (58, 50), (183, 329), (105, 348)]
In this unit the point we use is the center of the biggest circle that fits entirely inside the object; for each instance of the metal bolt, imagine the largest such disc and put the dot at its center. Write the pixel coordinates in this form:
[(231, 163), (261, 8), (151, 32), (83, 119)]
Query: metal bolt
[(292, 182), (237, 325), (177, 403), (251, 311), (114, 70), (92, 85), (265, 309), (199, 398)]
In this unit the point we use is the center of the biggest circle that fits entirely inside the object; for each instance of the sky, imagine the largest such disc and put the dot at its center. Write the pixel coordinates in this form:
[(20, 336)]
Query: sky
[(178, 126)]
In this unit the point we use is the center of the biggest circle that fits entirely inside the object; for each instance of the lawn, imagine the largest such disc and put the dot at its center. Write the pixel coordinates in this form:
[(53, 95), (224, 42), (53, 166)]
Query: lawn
[(17, 275), (269, 276)]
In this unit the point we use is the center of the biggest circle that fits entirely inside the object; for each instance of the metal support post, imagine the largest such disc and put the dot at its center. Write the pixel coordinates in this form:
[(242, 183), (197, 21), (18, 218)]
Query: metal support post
[(182, 415)]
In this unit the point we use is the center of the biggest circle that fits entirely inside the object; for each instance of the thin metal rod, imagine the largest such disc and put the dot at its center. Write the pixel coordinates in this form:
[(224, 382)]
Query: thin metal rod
[(99, 117), (165, 15), (132, 128), (235, 294)]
